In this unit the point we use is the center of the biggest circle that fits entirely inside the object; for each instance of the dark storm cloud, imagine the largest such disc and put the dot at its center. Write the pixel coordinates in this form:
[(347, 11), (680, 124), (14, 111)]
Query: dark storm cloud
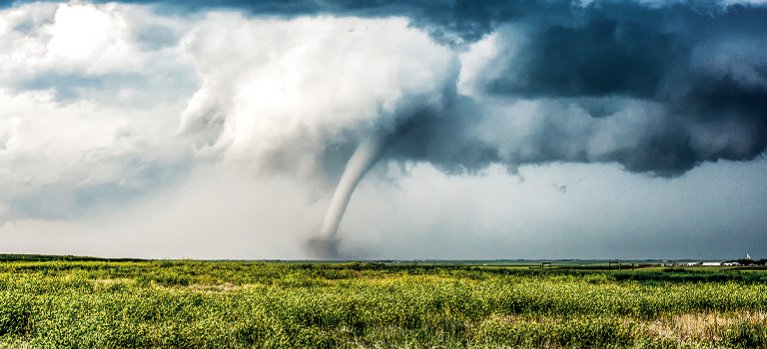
[(694, 72), (701, 67), (690, 78), (663, 54), (445, 19), (467, 19)]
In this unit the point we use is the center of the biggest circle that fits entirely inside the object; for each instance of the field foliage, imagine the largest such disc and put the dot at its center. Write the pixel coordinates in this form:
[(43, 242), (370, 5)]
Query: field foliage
[(194, 304)]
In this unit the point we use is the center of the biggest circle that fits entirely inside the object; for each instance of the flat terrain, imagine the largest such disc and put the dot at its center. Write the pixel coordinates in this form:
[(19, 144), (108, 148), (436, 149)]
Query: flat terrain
[(73, 303)]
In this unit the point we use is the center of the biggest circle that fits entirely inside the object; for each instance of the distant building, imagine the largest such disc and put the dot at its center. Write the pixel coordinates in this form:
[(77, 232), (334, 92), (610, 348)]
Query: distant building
[(730, 264), (692, 264), (712, 264)]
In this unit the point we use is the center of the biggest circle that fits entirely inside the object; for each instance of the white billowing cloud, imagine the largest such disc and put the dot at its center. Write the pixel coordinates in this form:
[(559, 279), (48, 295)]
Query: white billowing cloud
[(478, 60), (304, 83), (87, 105), (93, 102), (82, 34), (85, 51), (93, 97), (533, 130), (45, 38)]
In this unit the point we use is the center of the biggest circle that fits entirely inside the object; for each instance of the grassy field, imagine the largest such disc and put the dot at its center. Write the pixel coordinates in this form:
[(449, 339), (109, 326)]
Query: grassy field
[(193, 304)]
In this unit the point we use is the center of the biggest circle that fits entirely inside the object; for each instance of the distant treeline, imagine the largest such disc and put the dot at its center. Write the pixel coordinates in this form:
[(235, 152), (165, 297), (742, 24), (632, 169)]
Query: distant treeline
[(744, 261), (46, 258)]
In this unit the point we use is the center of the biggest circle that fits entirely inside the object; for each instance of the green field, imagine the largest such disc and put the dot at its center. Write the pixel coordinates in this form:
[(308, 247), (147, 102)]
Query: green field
[(194, 304)]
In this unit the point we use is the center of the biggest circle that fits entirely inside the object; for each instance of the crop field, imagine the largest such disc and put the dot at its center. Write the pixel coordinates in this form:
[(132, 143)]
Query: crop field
[(204, 304)]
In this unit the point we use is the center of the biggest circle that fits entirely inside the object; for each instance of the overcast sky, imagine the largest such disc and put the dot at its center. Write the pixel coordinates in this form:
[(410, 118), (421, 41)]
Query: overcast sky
[(492, 129)]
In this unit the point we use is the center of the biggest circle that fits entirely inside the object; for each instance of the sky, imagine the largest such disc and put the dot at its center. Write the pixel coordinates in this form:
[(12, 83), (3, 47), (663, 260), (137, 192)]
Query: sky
[(441, 129)]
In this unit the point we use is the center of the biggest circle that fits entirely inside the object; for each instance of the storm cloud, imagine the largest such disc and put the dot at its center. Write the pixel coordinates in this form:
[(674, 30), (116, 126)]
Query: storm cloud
[(656, 87), (294, 88)]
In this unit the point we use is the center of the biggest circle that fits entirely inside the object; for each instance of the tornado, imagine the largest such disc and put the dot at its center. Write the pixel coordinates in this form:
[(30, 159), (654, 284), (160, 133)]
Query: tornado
[(364, 157)]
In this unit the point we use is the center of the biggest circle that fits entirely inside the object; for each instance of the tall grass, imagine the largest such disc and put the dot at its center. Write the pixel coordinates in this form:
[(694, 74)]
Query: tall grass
[(190, 304)]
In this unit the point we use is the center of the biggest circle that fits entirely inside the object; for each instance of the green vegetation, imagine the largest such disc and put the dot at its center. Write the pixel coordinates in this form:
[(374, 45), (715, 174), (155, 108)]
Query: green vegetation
[(194, 304)]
